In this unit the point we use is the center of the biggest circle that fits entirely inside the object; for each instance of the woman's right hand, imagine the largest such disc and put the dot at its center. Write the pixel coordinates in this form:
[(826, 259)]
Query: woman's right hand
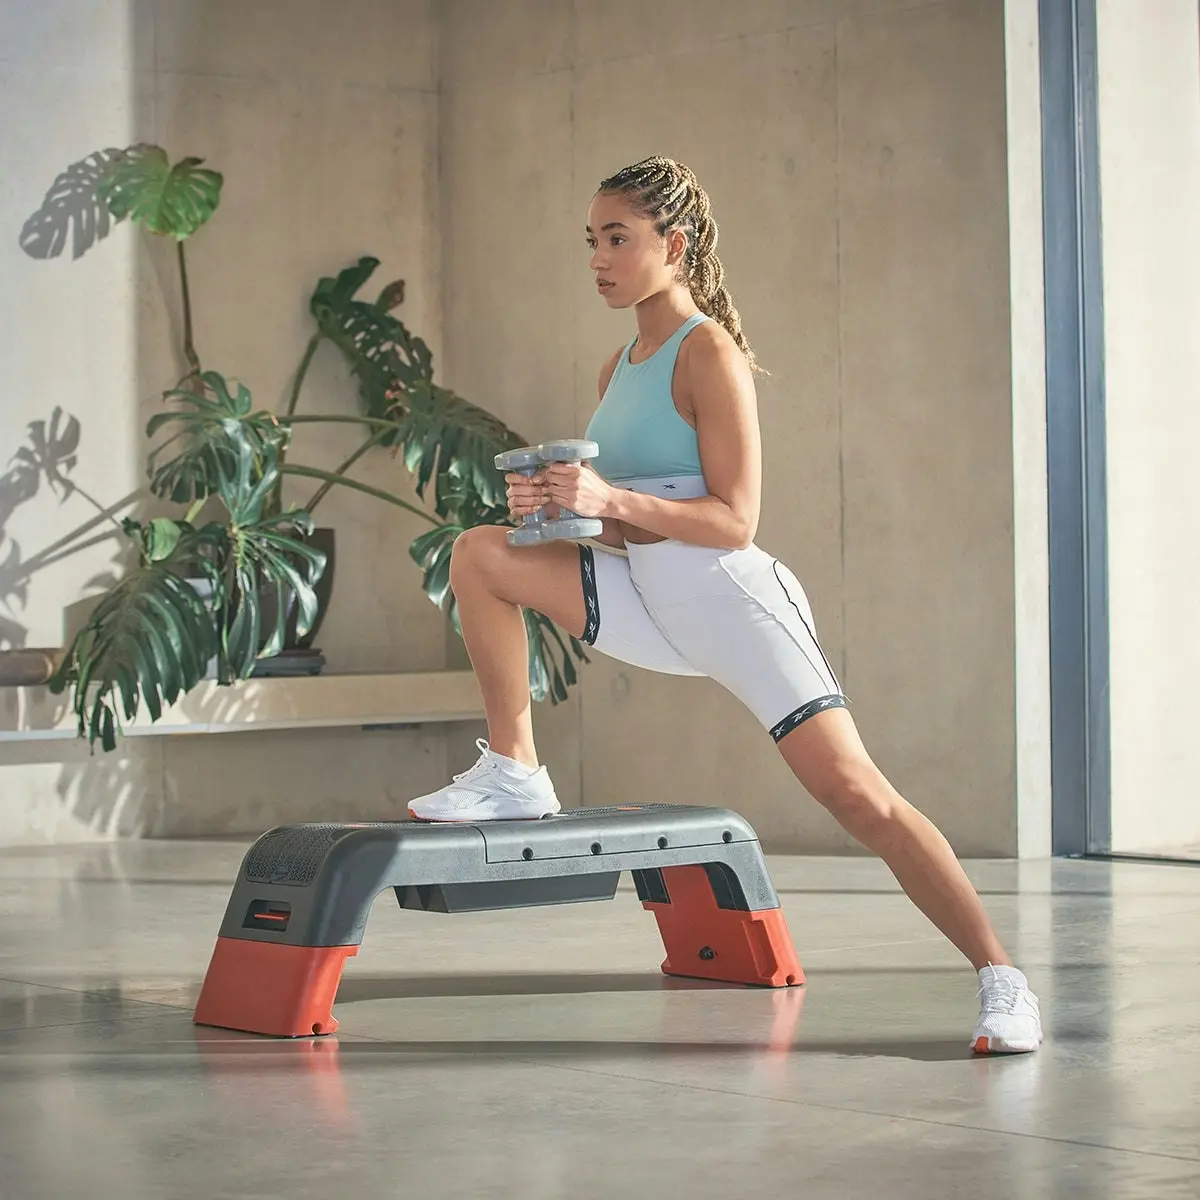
[(527, 493)]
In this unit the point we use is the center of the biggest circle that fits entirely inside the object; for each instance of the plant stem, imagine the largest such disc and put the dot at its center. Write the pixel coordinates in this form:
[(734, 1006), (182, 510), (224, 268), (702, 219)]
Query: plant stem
[(341, 469), (275, 504), (353, 484), (317, 418), (380, 426), (302, 370), (189, 347)]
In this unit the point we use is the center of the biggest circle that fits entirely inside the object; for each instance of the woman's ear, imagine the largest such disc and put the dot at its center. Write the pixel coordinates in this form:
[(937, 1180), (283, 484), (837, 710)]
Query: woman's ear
[(677, 244)]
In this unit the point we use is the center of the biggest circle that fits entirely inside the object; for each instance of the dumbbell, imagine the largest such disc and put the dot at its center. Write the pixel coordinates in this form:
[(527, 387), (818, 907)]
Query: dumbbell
[(537, 527)]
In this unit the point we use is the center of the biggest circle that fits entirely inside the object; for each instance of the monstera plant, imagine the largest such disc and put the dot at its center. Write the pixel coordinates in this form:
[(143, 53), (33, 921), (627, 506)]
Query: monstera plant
[(232, 589)]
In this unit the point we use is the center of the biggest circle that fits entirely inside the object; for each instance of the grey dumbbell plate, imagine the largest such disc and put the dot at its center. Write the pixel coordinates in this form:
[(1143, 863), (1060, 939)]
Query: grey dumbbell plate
[(520, 459), (526, 535), (568, 450), (572, 528)]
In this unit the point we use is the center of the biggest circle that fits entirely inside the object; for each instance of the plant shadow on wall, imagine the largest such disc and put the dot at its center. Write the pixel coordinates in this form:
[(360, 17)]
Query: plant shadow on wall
[(244, 590), (47, 456)]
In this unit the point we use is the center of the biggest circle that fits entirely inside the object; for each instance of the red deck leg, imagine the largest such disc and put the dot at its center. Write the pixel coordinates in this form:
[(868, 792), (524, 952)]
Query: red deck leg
[(265, 987), (706, 942)]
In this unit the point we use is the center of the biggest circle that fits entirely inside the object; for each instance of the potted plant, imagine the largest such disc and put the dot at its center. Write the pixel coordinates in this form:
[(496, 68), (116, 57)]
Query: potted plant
[(246, 584)]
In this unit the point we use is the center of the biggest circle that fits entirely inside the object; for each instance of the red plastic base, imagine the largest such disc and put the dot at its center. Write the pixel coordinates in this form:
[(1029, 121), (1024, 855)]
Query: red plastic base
[(262, 987), (706, 942)]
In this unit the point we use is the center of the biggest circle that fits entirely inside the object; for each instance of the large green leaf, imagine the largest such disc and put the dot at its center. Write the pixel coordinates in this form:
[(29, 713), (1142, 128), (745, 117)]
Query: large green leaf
[(73, 207), (381, 353), (151, 637), (447, 438), (168, 200), (268, 558), (158, 539), (439, 432), (246, 477), (209, 429), (149, 640)]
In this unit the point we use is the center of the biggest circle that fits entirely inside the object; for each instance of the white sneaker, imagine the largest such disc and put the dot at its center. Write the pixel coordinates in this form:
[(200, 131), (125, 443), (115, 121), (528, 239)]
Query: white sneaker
[(1009, 1019), (496, 788)]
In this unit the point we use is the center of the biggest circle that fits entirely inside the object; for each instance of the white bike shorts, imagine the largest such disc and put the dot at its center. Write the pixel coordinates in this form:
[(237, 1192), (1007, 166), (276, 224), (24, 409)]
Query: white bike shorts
[(737, 616)]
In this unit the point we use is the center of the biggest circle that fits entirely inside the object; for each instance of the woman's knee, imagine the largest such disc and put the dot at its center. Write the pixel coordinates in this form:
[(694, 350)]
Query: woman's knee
[(861, 800), (477, 556)]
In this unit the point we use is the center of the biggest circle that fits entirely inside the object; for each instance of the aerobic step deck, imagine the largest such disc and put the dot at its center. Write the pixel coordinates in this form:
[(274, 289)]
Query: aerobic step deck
[(300, 903)]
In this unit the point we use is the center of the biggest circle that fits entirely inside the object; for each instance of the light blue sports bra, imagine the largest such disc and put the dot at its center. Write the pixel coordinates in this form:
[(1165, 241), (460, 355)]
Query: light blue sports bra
[(637, 426)]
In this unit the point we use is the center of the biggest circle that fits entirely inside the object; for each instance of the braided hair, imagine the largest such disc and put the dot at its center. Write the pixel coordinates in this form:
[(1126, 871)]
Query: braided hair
[(667, 193)]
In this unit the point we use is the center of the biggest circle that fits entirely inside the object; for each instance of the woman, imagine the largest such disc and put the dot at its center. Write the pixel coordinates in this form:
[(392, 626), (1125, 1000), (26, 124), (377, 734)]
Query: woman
[(677, 484)]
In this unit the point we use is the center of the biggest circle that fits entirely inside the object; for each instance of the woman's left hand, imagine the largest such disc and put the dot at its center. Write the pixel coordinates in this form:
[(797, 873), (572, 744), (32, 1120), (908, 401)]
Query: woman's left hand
[(577, 487)]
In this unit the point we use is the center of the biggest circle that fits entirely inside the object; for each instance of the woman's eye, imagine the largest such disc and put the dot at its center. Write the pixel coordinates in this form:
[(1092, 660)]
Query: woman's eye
[(616, 239)]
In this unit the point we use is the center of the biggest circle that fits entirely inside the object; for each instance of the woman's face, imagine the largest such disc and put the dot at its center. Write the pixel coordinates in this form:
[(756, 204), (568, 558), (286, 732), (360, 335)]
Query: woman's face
[(630, 259)]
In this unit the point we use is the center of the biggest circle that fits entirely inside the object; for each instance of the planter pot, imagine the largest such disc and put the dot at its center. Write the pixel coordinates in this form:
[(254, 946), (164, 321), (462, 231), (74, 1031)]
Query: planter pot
[(323, 540), (298, 657), (203, 588)]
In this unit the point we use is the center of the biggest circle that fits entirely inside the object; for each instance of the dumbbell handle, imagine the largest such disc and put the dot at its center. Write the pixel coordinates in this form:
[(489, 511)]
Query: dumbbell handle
[(527, 461), (530, 520)]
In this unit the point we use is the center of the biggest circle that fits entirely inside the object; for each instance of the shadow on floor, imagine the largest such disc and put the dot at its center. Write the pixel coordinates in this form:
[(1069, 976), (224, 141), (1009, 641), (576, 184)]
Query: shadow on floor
[(580, 1051), (355, 989), (162, 1050)]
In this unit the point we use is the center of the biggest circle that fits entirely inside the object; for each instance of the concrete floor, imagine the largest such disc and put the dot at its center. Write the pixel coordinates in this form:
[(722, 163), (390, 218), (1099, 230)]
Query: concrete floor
[(540, 1054)]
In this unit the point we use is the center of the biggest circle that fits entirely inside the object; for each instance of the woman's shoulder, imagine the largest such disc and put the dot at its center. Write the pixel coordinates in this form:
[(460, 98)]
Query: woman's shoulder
[(708, 345)]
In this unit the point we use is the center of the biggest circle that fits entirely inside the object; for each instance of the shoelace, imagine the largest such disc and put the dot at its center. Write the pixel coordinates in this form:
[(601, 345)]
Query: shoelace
[(485, 763), (1001, 993)]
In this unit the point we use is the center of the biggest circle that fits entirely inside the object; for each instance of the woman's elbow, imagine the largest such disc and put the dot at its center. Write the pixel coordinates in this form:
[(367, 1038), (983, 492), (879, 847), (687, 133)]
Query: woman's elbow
[(744, 528)]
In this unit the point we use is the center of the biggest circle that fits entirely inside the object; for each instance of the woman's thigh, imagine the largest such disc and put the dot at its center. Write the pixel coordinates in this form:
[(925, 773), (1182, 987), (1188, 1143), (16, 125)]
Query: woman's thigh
[(742, 618), (543, 577), (618, 622), (588, 593)]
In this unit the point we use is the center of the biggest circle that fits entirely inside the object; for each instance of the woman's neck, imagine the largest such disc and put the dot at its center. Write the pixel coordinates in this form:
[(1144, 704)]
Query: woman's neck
[(658, 317)]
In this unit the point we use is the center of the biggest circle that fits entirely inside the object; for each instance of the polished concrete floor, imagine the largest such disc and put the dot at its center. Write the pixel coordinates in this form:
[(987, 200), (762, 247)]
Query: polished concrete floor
[(540, 1054)]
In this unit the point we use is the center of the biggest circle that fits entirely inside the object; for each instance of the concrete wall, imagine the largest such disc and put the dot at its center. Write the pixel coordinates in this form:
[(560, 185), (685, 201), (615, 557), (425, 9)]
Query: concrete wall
[(1149, 77), (855, 153), (1031, 534), (324, 121)]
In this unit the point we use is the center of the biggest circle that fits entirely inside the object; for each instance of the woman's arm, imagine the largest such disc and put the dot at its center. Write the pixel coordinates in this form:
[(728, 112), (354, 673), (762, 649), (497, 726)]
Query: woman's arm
[(714, 382), (612, 535)]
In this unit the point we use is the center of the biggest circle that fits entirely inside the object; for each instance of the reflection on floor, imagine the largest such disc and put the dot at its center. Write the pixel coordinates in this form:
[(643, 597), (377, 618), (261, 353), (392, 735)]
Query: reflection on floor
[(539, 1054)]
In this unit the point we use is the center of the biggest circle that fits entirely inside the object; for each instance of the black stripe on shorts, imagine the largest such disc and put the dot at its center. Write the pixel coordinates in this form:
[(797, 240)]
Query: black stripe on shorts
[(591, 597), (798, 716)]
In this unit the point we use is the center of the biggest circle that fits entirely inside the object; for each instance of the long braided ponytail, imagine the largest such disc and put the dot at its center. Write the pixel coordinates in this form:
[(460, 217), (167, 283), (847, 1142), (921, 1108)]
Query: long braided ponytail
[(668, 194)]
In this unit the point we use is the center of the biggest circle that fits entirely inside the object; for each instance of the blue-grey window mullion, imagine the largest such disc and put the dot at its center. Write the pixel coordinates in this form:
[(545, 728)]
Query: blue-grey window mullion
[(1075, 420)]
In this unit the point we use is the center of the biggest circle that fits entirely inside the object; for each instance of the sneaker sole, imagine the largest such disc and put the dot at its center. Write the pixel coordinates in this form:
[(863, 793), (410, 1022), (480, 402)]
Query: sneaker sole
[(986, 1045), (475, 820)]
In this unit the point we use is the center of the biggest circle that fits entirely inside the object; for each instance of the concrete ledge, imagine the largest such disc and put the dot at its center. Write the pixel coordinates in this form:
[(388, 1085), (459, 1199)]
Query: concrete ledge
[(310, 702)]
